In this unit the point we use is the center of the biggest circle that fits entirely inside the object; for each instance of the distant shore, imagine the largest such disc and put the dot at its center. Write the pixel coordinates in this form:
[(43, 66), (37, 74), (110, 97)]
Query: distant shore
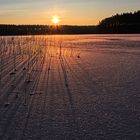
[(127, 23)]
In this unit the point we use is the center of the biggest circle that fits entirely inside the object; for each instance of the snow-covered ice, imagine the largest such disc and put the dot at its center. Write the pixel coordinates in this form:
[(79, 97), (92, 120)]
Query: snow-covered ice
[(70, 87)]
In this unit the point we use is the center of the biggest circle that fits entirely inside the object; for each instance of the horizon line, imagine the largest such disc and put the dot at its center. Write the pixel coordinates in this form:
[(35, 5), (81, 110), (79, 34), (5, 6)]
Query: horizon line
[(47, 24)]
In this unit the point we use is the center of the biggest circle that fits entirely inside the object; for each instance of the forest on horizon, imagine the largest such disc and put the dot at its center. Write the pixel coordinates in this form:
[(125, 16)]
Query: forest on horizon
[(126, 23)]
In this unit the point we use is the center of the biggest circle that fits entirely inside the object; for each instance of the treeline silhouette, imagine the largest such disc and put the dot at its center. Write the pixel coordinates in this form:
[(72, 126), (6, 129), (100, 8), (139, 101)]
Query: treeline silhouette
[(119, 23), (45, 29), (123, 23)]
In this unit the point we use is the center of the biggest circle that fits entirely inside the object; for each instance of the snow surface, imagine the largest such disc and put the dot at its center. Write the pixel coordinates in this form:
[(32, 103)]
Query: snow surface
[(72, 87)]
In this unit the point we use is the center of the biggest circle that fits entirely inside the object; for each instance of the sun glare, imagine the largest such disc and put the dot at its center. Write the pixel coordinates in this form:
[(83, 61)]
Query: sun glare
[(55, 19)]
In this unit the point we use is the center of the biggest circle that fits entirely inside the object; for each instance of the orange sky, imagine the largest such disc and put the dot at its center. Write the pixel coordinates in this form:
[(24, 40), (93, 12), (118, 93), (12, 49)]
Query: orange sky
[(71, 12)]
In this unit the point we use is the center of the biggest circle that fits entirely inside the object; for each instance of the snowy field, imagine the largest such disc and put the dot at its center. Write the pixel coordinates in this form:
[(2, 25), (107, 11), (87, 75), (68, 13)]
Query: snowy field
[(73, 87)]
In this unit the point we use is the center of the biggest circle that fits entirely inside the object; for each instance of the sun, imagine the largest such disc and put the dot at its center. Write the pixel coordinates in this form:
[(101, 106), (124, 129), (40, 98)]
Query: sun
[(55, 19)]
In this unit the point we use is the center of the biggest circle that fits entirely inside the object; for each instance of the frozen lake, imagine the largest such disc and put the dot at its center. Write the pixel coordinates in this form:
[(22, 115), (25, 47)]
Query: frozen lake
[(80, 87)]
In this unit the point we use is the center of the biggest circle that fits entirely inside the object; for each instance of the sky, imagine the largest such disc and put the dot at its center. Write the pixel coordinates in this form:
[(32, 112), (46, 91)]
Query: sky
[(70, 12)]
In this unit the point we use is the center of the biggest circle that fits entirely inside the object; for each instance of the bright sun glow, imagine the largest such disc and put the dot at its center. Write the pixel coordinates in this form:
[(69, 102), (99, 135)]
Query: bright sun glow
[(55, 19)]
